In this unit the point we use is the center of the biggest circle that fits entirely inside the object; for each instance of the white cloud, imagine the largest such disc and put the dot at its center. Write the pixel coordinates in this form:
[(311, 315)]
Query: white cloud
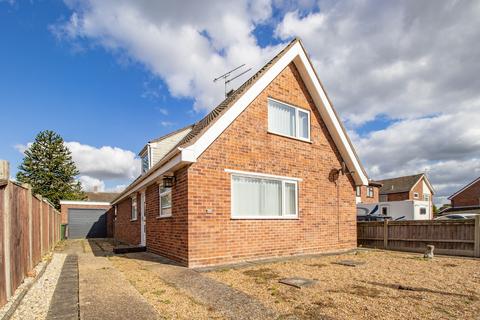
[(404, 58), (184, 43), (412, 61), (91, 184), (105, 162), (99, 166)]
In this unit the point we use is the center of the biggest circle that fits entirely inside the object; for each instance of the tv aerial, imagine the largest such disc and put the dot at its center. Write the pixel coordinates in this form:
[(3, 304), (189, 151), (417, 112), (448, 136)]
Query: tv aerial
[(226, 76)]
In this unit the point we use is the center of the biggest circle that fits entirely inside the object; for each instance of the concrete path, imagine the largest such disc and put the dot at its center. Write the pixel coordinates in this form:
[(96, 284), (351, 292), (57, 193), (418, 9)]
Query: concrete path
[(232, 303), (103, 291)]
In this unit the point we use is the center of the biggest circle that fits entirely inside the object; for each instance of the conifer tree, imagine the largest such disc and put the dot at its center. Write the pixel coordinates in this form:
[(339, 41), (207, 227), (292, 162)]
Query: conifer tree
[(48, 167)]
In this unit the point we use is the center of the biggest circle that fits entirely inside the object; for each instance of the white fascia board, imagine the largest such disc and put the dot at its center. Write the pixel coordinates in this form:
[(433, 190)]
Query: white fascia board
[(296, 54), (329, 117), (174, 162), (83, 203)]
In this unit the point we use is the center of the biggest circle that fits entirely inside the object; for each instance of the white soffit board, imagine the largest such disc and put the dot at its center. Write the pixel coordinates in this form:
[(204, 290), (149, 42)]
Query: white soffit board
[(296, 54)]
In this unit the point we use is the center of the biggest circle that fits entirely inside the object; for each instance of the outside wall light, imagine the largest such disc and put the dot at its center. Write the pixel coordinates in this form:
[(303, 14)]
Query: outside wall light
[(168, 182)]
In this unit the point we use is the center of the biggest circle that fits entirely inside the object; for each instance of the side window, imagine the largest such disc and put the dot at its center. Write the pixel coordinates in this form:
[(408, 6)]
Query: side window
[(423, 210), (415, 195), (384, 211), (358, 191), (165, 202), (134, 207)]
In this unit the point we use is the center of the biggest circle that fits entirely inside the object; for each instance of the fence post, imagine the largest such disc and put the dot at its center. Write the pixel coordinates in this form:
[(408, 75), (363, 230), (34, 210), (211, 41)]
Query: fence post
[(385, 234), (4, 178), (477, 237)]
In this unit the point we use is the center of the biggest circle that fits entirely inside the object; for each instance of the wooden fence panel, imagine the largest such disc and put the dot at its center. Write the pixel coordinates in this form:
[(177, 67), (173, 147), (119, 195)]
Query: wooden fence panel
[(19, 235), (448, 237), (3, 288), (36, 232), (29, 227), (45, 233)]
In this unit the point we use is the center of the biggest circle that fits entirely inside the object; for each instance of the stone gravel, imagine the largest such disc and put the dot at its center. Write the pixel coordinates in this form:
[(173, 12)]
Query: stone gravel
[(36, 302)]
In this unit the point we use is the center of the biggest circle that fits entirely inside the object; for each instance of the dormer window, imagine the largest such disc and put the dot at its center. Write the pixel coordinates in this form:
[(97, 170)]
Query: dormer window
[(145, 163), (287, 120)]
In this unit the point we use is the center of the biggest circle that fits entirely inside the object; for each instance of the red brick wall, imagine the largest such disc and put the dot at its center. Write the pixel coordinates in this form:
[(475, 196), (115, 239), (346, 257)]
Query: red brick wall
[(167, 236), (126, 230), (64, 209), (469, 197), (110, 222), (365, 199), (326, 222)]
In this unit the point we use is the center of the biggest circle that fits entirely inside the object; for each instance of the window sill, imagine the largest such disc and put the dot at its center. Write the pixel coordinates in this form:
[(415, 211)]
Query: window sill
[(164, 217), (133, 220), (265, 218), (289, 137)]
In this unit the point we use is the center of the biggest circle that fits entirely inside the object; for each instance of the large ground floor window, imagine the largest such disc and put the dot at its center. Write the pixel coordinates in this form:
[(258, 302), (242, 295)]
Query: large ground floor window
[(263, 197)]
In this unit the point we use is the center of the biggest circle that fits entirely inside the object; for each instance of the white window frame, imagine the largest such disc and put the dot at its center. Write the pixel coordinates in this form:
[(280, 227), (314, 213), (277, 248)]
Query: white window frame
[(255, 175), (134, 206), (415, 195), (160, 208), (297, 127), (426, 197), (358, 191)]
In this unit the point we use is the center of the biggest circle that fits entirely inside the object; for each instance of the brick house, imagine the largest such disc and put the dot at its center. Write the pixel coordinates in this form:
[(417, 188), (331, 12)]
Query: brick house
[(465, 200), (369, 193), (269, 172), (410, 197)]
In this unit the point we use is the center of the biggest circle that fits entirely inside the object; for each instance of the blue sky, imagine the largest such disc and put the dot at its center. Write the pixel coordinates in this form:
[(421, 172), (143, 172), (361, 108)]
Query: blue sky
[(110, 75)]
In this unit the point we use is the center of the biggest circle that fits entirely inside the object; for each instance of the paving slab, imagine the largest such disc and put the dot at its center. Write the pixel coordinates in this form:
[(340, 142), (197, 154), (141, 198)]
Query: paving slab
[(64, 304), (232, 303)]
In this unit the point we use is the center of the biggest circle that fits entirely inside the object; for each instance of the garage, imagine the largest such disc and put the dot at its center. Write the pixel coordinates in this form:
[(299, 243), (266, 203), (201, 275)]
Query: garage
[(87, 223)]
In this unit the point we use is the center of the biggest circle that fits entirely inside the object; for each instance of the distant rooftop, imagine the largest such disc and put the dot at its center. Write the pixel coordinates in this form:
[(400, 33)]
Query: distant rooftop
[(100, 196), (400, 184)]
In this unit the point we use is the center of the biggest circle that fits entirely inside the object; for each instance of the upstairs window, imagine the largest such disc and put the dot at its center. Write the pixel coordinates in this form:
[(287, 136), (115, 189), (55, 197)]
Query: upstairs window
[(426, 197), (134, 208), (383, 198), (288, 121), (369, 192), (415, 195), (165, 202), (145, 164)]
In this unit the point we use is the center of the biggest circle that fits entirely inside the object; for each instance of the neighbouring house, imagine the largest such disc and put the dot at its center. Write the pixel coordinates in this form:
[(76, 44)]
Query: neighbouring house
[(269, 172), (369, 193), (465, 200), (407, 197), (88, 218)]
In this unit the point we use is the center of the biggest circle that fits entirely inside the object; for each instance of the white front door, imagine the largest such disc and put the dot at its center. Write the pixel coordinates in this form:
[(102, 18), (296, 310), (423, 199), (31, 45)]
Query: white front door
[(142, 219)]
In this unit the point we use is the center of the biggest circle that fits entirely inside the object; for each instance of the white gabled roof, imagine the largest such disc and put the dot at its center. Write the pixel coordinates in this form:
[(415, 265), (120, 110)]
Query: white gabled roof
[(211, 127)]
